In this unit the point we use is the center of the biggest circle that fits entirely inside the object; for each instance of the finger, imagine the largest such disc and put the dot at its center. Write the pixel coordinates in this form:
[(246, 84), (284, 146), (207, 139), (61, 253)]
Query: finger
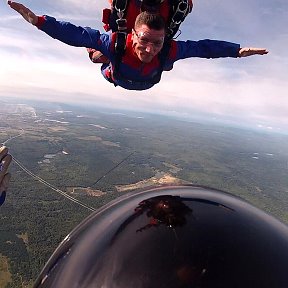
[(19, 8), (14, 5), (258, 50), (26, 13), (244, 52), (263, 51), (5, 183), (3, 152), (5, 160), (4, 164), (3, 187), (2, 197)]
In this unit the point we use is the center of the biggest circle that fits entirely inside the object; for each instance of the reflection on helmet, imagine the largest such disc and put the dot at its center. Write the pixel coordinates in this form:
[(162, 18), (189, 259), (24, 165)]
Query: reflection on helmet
[(172, 237), (166, 209)]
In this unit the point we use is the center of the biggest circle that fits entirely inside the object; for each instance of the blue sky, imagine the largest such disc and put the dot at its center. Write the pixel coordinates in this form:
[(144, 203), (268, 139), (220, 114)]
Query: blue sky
[(252, 89)]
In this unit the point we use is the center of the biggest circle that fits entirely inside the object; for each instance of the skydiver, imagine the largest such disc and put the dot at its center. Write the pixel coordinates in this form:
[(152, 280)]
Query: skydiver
[(173, 12), (141, 65), (5, 160)]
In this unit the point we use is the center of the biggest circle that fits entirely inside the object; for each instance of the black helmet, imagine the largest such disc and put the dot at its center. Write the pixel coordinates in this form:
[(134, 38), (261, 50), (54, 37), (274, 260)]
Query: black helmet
[(172, 237)]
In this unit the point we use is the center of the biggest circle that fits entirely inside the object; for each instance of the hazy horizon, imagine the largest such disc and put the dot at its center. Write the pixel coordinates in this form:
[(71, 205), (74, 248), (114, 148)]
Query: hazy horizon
[(197, 116)]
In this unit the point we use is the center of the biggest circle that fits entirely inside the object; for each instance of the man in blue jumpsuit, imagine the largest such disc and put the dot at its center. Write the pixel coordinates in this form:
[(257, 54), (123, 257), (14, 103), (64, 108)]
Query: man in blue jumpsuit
[(140, 64)]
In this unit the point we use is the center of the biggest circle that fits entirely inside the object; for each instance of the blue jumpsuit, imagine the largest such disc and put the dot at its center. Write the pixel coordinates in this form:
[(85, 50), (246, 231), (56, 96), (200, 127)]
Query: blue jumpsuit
[(135, 75)]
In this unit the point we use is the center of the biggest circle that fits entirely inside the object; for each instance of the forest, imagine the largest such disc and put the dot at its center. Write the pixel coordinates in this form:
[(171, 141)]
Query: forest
[(101, 150)]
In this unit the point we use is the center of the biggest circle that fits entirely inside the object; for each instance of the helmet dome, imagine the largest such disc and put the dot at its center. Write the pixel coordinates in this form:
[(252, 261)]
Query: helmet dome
[(172, 237)]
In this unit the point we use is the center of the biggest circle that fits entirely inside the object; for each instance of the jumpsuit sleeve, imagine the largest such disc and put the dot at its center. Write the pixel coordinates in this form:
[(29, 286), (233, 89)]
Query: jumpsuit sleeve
[(73, 35), (203, 49)]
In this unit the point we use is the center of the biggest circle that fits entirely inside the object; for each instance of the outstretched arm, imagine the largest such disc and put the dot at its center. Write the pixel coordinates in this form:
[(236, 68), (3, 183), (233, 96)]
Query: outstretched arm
[(64, 31), (26, 13), (5, 160), (214, 49), (244, 52)]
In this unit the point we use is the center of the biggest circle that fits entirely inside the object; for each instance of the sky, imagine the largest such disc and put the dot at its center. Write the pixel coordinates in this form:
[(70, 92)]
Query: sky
[(252, 89)]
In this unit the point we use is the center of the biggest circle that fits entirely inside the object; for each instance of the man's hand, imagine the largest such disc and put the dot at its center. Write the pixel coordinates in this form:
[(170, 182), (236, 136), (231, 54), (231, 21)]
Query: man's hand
[(26, 13), (5, 160), (244, 52)]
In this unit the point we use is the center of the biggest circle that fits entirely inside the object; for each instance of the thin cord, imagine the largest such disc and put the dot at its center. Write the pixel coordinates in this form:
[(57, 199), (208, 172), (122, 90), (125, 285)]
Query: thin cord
[(44, 182)]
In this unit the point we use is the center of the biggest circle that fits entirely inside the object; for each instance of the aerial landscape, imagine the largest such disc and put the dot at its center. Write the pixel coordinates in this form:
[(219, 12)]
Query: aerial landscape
[(71, 160)]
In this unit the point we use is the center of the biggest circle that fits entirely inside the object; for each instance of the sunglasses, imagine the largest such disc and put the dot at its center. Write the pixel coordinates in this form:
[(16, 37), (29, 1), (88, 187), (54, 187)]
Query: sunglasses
[(143, 39)]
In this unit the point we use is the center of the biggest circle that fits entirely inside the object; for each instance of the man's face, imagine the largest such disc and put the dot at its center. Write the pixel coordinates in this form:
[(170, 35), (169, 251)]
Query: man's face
[(147, 42)]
